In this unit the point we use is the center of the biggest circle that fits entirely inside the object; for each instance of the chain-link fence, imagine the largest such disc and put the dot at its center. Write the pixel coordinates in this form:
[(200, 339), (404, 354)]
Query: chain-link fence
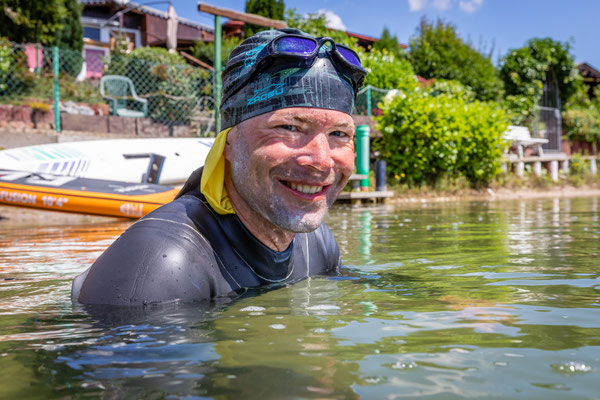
[(100, 93), (150, 95), (368, 101)]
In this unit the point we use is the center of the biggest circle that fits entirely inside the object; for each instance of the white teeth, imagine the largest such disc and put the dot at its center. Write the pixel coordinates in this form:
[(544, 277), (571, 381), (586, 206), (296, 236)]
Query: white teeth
[(305, 188)]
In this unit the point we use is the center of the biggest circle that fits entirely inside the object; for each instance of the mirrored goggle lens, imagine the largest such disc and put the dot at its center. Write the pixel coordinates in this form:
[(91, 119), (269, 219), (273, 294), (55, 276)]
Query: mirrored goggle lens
[(349, 56), (295, 45)]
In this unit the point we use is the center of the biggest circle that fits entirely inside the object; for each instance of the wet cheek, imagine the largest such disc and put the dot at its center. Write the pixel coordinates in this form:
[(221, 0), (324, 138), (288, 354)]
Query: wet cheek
[(344, 160)]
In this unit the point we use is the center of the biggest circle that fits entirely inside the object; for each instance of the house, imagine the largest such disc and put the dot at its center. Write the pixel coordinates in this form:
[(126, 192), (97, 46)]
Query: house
[(140, 24), (591, 77)]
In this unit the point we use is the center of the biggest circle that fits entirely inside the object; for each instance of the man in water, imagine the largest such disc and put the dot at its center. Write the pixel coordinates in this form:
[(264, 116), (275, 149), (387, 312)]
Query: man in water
[(253, 215)]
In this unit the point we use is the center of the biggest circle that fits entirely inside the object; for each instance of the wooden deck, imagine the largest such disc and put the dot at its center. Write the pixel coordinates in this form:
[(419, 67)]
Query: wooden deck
[(357, 196)]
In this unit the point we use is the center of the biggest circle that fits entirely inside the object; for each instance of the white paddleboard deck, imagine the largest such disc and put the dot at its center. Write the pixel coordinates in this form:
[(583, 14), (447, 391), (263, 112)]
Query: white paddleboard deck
[(125, 160)]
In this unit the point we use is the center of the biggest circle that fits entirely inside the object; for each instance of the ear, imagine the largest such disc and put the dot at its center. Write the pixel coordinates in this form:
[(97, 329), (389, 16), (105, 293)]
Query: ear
[(228, 144)]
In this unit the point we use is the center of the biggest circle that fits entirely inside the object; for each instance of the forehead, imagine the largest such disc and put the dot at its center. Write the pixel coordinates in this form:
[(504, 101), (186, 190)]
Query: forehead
[(317, 117)]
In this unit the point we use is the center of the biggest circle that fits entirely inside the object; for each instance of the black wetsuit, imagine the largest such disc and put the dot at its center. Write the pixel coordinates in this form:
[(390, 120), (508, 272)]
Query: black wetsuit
[(185, 251)]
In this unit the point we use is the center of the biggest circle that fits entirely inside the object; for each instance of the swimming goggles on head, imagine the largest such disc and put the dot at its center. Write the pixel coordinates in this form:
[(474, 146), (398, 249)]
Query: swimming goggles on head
[(293, 50)]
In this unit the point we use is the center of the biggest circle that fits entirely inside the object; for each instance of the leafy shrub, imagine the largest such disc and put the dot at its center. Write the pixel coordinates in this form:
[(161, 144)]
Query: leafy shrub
[(5, 57), (14, 76), (519, 109), (171, 86), (426, 137), (582, 124), (386, 71), (581, 117), (452, 88)]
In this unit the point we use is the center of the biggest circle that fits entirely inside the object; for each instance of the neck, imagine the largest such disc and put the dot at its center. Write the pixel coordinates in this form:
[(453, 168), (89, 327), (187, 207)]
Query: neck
[(268, 234)]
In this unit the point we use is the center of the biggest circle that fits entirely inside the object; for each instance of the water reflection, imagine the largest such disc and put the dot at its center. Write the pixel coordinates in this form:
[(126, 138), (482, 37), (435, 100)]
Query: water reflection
[(446, 301)]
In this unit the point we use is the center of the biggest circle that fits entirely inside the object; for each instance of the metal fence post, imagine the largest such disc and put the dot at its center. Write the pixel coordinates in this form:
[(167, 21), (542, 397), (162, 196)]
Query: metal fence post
[(369, 101), (363, 154), (37, 59), (217, 73), (55, 70)]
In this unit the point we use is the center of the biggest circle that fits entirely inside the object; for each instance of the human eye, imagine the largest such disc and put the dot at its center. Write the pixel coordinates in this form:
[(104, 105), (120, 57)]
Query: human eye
[(291, 128), (341, 134)]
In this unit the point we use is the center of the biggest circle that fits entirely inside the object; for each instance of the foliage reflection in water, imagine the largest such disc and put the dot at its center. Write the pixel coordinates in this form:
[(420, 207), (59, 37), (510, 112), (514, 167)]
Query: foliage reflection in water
[(497, 300)]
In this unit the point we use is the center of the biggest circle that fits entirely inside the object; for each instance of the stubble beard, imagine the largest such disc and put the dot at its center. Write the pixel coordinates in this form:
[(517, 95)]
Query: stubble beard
[(273, 208)]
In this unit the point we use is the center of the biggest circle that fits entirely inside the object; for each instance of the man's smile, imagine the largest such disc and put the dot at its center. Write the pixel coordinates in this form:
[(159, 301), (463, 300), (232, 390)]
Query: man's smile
[(306, 188)]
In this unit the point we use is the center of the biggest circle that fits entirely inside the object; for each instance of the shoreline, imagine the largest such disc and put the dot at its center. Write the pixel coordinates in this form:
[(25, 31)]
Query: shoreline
[(12, 217), (495, 194)]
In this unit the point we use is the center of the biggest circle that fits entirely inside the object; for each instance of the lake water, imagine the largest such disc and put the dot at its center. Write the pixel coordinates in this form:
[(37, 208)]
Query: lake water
[(461, 300)]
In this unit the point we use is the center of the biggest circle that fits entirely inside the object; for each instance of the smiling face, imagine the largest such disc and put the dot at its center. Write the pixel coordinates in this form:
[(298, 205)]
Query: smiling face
[(286, 167)]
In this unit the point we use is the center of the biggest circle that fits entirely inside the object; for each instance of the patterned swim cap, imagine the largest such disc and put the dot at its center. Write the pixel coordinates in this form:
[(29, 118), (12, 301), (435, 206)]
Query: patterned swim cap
[(284, 82)]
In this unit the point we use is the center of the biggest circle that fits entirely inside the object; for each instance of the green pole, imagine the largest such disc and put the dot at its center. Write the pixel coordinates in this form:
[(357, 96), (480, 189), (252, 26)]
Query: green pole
[(55, 70), (369, 101), (217, 72), (362, 154), (37, 59)]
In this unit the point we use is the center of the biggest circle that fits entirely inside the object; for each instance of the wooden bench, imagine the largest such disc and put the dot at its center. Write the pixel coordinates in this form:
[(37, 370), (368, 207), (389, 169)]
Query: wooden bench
[(521, 138), (553, 159)]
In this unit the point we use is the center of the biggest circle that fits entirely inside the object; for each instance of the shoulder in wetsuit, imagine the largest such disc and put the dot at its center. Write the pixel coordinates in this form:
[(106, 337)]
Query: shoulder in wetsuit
[(185, 251)]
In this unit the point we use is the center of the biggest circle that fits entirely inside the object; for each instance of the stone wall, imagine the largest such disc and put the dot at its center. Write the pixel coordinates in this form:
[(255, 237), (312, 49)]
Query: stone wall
[(16, 118)]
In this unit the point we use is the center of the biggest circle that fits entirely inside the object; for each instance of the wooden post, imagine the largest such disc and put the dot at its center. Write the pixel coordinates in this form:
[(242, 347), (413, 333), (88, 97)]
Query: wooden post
[(593, 167), (554, 170)]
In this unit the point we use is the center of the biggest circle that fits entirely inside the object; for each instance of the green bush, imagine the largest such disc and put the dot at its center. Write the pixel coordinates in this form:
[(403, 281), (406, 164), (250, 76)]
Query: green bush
[(5, 58), (15, 78), (171, 86), (428, 137), (386, 71), (452, 88), (582, 124)]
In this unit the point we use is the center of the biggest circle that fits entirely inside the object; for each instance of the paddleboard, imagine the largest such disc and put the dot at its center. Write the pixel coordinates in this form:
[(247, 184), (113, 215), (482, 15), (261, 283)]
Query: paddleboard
[(172, 160), (82, 195)]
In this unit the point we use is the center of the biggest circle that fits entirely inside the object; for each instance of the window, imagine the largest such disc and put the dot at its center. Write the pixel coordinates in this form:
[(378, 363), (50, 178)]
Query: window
[(91, 33)]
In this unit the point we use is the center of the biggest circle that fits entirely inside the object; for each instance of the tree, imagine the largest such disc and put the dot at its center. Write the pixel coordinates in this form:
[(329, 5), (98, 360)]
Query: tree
[(205, 51), (524, 70), (438, 52), (25, 21), (71, 34), (315, 24), (390, 43), (273, 9)]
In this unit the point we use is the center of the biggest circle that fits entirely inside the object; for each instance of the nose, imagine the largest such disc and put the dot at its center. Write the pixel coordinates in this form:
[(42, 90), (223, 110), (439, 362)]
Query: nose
[(317, 153)]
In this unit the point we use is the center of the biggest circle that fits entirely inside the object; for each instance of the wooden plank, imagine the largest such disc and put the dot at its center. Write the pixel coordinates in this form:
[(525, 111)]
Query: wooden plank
[(513, 158), (365, 195), (240, 16), (196, 61), (358, 177)]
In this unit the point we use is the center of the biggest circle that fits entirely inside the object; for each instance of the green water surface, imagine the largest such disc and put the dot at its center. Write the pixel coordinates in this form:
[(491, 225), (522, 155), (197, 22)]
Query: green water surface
[(461, 300)]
